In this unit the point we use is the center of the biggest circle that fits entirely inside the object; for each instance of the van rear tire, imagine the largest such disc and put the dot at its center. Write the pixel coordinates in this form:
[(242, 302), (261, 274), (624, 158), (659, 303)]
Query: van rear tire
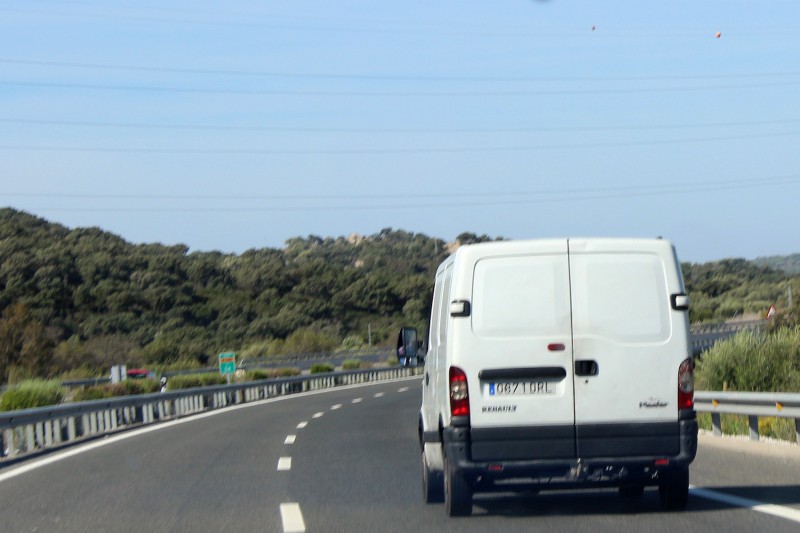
[(432, 483), (673, 490), (457, 492)]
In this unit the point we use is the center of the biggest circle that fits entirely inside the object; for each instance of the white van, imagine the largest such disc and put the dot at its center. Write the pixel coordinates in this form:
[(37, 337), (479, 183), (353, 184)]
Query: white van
[(558, 364)]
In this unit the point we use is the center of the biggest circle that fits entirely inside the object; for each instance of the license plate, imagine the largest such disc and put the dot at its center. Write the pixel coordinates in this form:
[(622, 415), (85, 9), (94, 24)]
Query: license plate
[(523, 388)]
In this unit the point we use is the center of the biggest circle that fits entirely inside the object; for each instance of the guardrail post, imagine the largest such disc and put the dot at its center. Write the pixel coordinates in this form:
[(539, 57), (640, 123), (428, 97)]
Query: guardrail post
[(753, 421), (10, 442), (58, 430), (71, 429), (716, 424), (48, 433), (797, 430), (30, 442)]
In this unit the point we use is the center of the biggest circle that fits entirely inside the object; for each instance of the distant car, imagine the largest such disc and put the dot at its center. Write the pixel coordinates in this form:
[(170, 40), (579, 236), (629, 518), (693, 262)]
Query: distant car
[(140, 373)]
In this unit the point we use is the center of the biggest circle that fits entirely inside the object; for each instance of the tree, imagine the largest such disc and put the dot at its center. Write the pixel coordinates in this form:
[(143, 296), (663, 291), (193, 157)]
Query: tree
[(24, 343)]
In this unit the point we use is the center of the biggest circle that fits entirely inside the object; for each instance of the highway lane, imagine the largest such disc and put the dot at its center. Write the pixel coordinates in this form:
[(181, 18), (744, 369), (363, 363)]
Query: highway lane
[(354, 466)]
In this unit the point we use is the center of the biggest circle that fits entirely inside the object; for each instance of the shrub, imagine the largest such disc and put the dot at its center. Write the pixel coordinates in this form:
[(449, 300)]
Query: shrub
[(30, 394), (270, 373), (392, 360), (139, 386), (99, 392), (753, 362), (321, 368), (126, 387), (353, 364), (189, 381), (287, 372)]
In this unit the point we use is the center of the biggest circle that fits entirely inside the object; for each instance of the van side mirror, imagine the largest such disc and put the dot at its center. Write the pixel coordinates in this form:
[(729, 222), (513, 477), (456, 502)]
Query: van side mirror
[(680, 302)]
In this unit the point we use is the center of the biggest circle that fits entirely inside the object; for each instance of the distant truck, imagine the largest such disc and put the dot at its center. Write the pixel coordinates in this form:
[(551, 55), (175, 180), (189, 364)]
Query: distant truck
[(140, 373)]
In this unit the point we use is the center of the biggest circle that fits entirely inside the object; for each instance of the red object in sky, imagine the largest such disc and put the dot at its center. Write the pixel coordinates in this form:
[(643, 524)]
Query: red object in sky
[(718, 35)]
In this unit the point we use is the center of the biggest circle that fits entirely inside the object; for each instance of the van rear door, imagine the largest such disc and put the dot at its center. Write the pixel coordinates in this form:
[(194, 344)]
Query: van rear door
[(628, 344), (518, 346)]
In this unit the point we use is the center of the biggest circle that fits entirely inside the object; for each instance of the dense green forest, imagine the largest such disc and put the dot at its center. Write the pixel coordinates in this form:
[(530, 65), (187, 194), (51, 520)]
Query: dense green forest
[(81, 300)]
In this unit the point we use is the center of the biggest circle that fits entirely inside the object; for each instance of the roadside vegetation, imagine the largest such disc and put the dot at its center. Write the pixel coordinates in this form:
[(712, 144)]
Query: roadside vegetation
[(74, 302), (754, 362), (33, 393)]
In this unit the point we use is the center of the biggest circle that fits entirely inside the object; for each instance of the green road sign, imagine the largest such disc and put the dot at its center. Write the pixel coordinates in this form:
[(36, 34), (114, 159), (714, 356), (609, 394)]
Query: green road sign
[(227, 363)]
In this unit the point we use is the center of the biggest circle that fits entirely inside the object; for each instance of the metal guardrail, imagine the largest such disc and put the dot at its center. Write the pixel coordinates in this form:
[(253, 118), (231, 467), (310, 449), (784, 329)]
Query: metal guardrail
[(728, 327), (31, 430), (704, 336), (750, 404)]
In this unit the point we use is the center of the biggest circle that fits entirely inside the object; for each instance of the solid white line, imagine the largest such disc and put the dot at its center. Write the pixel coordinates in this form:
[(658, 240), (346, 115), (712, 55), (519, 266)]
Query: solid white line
[(335, 407), (290, 439), (58, 456), (292, 518), (754, 505), (317, 415), (284, 463), (356, 400)]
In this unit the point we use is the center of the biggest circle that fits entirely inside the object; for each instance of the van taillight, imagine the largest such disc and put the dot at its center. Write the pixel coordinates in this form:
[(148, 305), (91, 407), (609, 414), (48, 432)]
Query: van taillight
[(686, 385), (459, 396)]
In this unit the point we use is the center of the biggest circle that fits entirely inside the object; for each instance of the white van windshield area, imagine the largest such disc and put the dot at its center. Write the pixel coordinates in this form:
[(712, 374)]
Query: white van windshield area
[(622, 297), (521, 296)]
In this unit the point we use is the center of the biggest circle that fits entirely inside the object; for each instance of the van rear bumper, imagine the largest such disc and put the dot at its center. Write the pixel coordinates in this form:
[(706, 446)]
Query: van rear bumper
[(495, 458)]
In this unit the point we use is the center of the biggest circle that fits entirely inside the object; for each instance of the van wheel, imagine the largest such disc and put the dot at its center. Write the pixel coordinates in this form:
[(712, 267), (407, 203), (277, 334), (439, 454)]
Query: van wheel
[(432, 483), (631, 491), (673, 490), (457, 492)]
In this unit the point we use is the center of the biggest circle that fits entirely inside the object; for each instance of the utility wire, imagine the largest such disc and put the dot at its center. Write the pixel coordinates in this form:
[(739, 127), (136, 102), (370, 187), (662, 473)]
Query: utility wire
[(389, 77), (163, 126), (542, 193), (449, 94), (444, 204), (379, 151)]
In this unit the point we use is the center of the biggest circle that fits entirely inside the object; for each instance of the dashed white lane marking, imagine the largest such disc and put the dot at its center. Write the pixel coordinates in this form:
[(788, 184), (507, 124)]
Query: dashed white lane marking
[(292, 518), (317, 415), (301, 425), (284, 463), (290, 439), (335, 407), (767, 508), (356, 400), (402, 389), (378, 395)]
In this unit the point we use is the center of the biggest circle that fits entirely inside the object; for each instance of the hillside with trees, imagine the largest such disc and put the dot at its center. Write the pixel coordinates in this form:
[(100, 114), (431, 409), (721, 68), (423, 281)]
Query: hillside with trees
[(79, 300)]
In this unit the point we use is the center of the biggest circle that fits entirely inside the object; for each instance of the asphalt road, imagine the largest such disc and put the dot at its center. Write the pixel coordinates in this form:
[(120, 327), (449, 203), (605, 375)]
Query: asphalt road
[(348, 460)]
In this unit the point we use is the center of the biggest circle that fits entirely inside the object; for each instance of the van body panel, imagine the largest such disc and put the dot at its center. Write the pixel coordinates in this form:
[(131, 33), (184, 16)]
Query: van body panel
[(520, 308), (571, 350)]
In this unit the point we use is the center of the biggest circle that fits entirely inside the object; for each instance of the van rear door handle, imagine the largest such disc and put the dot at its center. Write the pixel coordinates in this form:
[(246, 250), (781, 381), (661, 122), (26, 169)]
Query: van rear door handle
[(586, 368)]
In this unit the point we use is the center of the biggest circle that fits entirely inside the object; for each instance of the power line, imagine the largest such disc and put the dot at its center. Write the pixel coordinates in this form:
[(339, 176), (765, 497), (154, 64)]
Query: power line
[(449, 202), (389, 77), (141, 125), (383, 151), (288, 92), (611, 190)]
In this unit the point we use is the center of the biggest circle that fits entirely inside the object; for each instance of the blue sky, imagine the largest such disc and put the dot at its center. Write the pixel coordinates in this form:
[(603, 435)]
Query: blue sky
[(244, 124)]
